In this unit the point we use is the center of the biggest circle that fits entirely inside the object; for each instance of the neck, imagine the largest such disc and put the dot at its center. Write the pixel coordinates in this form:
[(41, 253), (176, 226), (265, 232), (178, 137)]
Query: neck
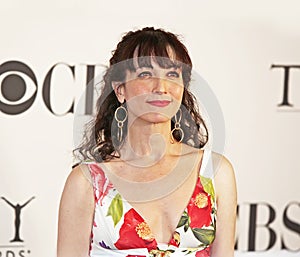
[(147, 143)]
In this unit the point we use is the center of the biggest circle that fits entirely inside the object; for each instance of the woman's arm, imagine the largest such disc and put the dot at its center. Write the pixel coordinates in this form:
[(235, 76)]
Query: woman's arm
[(225, 187), (75, 216)]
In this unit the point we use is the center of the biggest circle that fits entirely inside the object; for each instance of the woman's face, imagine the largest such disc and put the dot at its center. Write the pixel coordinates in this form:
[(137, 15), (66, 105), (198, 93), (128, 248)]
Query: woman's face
[(153, 94)]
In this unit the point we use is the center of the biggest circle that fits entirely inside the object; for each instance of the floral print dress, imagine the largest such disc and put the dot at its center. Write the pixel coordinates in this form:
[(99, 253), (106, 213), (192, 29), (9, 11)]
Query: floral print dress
[(119, 230)]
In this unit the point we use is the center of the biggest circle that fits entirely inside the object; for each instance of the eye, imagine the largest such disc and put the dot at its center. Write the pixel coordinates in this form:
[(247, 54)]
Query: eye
[(173, 74), (145, 75)]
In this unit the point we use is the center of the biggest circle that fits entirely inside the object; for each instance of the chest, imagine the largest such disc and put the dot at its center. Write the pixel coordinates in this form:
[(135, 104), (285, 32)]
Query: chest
[(163, 215), (161, 202), (159, 196)]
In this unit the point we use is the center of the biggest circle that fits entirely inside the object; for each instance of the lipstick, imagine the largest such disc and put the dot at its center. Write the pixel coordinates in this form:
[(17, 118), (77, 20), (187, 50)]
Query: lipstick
[(159, 103)]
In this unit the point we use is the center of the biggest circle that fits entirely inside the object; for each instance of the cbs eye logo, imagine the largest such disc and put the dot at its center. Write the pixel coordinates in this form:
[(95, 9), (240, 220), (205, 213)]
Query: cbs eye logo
[(18, 87)]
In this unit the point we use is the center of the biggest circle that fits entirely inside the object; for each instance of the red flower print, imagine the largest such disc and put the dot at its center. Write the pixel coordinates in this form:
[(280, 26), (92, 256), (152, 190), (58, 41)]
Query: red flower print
[(203, 253), (103, 185), (199, 207), (135, 233), (175, 240)]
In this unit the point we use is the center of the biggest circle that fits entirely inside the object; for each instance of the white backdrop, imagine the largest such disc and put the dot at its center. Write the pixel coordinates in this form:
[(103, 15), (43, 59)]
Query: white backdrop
[(233, 45)]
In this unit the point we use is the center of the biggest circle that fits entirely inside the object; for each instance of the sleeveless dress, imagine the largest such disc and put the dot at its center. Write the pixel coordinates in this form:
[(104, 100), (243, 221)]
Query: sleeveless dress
[(119, 230)]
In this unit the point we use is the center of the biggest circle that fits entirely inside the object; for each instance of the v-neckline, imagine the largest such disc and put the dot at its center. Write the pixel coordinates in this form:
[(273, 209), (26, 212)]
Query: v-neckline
[(130, 206)]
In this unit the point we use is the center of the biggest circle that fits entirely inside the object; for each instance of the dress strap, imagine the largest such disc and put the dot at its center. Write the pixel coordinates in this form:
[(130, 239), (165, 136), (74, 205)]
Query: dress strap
[(206, 169)]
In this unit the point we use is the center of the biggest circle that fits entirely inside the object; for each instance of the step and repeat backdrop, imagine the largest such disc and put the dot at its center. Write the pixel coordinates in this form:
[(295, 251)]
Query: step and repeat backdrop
[(248, 54)]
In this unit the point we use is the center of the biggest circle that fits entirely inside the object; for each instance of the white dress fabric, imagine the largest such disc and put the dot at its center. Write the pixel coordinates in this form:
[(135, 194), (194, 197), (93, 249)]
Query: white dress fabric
[(119, 230)]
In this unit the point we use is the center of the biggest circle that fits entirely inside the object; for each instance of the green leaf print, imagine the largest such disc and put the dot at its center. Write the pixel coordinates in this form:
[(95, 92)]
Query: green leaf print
[(183, 220), (208, 186), (115, 210), (186, 227), (205, 236)]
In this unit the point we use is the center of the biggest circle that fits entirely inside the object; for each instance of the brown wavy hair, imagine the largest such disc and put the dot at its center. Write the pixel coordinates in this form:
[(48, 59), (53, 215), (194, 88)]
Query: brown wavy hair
[(99, 141)]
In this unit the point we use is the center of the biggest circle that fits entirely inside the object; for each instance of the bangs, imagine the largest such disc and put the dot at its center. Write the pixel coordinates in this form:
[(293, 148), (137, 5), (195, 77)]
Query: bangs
[(159, 49), (146, 61), (161, 54)]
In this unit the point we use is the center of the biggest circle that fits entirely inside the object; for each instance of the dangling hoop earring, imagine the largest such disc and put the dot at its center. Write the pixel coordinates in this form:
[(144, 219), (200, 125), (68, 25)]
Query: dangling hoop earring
[(177, 127), (120, 123)]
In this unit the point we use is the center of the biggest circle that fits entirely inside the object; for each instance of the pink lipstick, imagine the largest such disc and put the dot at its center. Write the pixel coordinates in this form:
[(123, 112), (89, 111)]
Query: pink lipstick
[(159, 103)]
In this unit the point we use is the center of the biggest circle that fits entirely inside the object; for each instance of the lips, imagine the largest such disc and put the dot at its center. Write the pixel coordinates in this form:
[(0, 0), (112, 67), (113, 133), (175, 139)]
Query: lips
[(159, 103)]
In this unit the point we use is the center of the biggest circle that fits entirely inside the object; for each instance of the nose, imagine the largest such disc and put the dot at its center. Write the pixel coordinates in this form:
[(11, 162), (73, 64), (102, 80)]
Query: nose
[(160, 86)]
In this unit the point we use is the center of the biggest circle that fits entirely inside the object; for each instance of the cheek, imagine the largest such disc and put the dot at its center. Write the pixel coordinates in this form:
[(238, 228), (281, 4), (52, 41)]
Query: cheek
[(135, 89), (177, 92)]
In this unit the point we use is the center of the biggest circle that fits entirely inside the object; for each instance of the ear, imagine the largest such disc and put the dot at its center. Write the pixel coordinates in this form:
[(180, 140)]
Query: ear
[(118, 88)]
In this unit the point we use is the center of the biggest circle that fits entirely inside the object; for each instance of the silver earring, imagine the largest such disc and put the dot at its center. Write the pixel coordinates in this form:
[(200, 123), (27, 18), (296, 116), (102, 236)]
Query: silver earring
[(120, 112), (177, 127)]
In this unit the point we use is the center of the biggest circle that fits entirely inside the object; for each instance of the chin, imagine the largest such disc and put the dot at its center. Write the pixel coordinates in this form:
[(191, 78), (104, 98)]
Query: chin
[(155, 118)]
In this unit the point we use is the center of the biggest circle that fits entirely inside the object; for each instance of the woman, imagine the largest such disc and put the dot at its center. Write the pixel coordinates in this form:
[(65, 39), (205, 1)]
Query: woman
[(145, 186)]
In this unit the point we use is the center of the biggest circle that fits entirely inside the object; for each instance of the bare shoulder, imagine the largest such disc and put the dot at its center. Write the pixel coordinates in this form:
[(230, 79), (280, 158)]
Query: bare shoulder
[(78, 187), (224, 174), (220, 162), (79, 178)]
